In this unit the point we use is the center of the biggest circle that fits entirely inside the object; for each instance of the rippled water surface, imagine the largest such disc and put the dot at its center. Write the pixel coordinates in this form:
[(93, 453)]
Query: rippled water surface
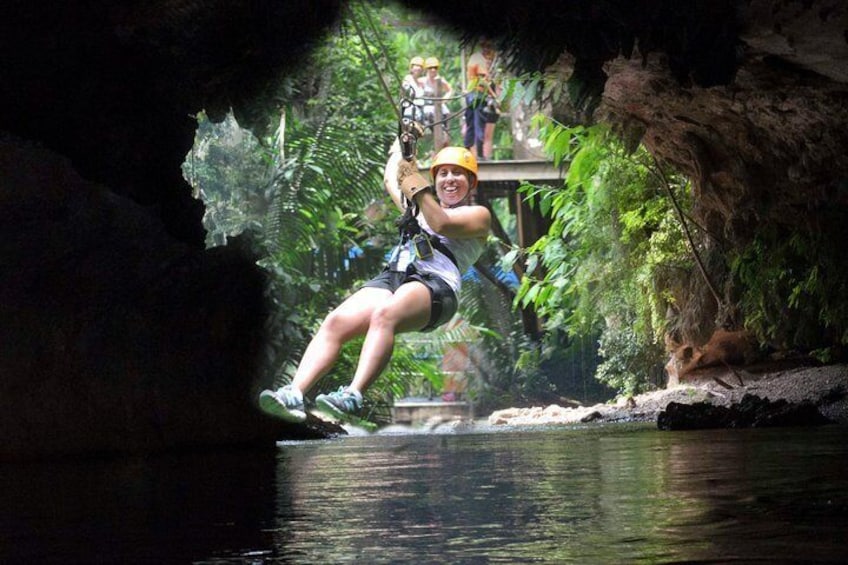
[(607, 494)]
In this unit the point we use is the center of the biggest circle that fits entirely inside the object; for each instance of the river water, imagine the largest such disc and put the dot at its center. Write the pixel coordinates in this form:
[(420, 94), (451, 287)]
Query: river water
[(619, 493)]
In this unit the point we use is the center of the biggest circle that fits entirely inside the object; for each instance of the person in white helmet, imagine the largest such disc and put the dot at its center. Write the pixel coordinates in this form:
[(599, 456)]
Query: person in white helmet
[(412, 83), (435, 111)]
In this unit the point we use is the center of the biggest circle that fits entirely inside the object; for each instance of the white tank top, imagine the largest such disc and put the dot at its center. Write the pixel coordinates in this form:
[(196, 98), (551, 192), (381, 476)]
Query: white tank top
[(466, 252)]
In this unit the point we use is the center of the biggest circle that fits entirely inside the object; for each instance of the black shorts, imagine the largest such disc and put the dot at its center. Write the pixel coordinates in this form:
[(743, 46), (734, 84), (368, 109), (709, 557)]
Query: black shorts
[(443, 301)]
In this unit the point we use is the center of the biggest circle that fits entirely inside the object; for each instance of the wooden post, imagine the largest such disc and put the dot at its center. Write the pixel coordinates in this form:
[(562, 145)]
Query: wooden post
[(530, 226)]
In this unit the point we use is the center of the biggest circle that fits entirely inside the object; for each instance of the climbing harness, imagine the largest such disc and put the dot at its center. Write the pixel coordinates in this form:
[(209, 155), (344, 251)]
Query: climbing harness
[(409, 230), (423, 242)]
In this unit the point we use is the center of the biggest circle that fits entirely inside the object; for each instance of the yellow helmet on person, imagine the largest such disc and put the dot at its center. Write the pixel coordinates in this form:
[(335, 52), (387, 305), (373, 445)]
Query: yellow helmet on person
[(431, 62), (416, 61), (459, 156)]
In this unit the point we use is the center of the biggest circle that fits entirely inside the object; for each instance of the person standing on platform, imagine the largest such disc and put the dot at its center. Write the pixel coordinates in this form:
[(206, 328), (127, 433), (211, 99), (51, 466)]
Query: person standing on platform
[(412, 84), (481, 112), (436, 110)]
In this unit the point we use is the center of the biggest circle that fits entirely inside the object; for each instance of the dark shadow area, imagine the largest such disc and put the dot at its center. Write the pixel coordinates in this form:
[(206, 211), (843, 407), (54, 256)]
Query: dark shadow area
[(165, 509)]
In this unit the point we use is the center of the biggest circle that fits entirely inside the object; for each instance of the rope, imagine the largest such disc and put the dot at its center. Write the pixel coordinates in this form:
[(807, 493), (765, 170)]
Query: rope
[(374, 64), (445, 119), (685, 227), (382, 46)]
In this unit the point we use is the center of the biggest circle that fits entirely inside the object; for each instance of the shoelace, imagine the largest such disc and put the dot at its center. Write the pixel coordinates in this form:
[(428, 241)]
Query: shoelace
[(289, 397), (346, 399)]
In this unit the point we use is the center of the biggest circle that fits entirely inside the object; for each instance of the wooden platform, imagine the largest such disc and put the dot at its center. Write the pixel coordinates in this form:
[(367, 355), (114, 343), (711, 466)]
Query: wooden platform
[(504, 177), (518, 170), (415, 412)]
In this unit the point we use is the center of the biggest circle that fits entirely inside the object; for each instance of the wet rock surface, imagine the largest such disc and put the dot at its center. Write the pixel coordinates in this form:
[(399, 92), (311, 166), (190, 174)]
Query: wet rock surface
[(751, 412)]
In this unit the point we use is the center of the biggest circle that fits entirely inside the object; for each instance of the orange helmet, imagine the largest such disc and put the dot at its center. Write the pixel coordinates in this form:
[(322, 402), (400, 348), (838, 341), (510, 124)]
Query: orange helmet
[(431, 62), (416, 61), (459, 156)]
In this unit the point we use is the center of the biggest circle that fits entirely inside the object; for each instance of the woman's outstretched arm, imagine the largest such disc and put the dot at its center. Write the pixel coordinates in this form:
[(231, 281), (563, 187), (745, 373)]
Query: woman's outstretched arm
[(390, 182)]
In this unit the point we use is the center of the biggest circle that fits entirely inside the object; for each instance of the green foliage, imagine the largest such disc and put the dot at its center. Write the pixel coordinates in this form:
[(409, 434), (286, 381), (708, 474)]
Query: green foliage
[(313, 198), (229, 168), (613, 237), (570, 364), (506, 361), (793, 281)]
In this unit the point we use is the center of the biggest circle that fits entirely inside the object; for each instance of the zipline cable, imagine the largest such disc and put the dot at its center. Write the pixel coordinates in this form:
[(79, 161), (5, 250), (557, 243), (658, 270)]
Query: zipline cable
[(382, 46), (450, 116), (374, 64), (382, 78), (685, 227)]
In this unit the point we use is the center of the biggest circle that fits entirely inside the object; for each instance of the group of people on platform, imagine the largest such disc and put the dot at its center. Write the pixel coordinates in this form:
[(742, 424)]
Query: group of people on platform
[(431, 92)]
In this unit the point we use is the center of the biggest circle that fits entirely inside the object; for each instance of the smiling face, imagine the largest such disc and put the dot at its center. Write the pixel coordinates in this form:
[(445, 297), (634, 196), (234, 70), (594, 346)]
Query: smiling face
[(452, 185)]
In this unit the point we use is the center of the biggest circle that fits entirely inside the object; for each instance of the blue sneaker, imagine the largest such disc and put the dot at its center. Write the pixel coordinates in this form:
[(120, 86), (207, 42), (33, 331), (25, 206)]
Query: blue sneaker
[(343, 404), (285, 403)]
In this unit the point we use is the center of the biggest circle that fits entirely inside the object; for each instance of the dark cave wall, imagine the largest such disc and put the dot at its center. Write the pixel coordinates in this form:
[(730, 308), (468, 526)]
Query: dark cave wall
[(114, 335), (120, 332), (115, 85)]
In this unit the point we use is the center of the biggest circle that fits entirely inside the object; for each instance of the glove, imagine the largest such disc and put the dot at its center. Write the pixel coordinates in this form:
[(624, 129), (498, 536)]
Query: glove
[(411, 182)]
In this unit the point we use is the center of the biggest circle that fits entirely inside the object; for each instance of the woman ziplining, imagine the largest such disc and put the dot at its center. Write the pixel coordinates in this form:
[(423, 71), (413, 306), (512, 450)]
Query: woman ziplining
[(442, 233)]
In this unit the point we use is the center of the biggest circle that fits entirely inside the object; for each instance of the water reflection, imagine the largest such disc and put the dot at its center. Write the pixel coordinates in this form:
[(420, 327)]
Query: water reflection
[(591, 495), (609, 494)]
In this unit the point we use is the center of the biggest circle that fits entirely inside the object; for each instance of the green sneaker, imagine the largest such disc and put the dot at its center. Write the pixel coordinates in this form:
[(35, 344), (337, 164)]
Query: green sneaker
[(285, 403), (343, 404)]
